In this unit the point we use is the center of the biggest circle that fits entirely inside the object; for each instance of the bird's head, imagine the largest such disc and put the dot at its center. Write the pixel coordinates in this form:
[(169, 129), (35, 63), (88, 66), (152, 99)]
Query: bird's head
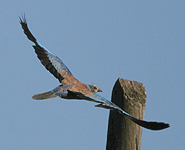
[(94, 88)]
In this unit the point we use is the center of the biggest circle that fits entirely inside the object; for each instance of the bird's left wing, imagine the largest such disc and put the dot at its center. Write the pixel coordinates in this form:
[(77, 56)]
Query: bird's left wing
[(104, 103), (52, 63)]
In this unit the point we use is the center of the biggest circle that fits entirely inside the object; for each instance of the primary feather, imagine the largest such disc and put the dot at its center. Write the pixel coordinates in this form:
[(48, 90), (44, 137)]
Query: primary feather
[(51, 62)]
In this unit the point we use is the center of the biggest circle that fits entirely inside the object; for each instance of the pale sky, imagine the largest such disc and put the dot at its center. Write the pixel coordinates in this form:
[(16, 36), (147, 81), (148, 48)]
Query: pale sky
[(99, 41)]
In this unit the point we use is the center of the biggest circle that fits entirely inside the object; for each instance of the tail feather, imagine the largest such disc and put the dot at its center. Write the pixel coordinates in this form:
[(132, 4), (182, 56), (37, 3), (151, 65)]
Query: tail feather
[(45, 95)]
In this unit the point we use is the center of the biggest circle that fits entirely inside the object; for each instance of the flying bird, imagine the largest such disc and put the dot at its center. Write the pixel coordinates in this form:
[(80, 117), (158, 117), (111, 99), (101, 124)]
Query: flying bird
[(71, 88)]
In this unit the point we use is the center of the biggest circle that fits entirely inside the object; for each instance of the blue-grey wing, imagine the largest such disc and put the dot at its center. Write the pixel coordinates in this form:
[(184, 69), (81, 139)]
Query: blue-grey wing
[(52, 63), (104, 103)]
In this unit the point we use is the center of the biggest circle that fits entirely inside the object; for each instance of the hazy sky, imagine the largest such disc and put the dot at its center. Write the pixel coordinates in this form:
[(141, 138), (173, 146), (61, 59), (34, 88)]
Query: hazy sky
[(99, 41)]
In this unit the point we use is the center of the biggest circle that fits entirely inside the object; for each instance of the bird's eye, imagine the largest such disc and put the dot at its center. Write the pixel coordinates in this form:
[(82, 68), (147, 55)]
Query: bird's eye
[(95, 87)]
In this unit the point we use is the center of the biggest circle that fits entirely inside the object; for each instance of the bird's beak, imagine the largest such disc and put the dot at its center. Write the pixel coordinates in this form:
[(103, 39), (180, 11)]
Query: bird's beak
[(99, 90)]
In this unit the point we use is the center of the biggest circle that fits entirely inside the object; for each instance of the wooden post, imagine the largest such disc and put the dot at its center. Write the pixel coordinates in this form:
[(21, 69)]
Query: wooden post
[(123, 134)]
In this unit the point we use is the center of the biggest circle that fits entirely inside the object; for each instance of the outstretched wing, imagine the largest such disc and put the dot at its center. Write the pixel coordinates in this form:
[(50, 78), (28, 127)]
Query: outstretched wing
[(104, 103), (51, 62)]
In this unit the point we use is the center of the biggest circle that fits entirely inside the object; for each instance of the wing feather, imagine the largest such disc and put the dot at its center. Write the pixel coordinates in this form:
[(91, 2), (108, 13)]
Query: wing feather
[(104, 103), (52, 63)]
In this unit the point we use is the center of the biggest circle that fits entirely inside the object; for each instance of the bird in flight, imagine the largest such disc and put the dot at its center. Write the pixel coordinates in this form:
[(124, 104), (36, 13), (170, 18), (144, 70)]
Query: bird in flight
[(71, 88)]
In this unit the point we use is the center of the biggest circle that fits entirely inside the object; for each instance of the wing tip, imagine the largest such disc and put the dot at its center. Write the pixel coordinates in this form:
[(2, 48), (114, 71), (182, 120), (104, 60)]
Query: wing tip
[(150, 125), (22, 19), (163, 126)]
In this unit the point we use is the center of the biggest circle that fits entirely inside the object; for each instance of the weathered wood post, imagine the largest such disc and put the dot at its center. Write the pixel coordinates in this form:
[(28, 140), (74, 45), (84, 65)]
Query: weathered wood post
[(123, 134)]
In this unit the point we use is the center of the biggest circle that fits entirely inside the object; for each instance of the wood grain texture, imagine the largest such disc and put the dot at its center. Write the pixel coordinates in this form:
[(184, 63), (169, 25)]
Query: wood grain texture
[(123, 134)]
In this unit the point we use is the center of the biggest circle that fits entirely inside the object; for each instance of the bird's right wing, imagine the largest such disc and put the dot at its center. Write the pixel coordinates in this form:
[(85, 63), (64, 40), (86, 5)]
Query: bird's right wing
[(104, 103), (52, 63)]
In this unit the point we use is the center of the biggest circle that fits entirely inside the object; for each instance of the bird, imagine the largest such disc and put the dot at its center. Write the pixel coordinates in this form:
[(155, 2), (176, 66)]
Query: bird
[(72, 88)]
